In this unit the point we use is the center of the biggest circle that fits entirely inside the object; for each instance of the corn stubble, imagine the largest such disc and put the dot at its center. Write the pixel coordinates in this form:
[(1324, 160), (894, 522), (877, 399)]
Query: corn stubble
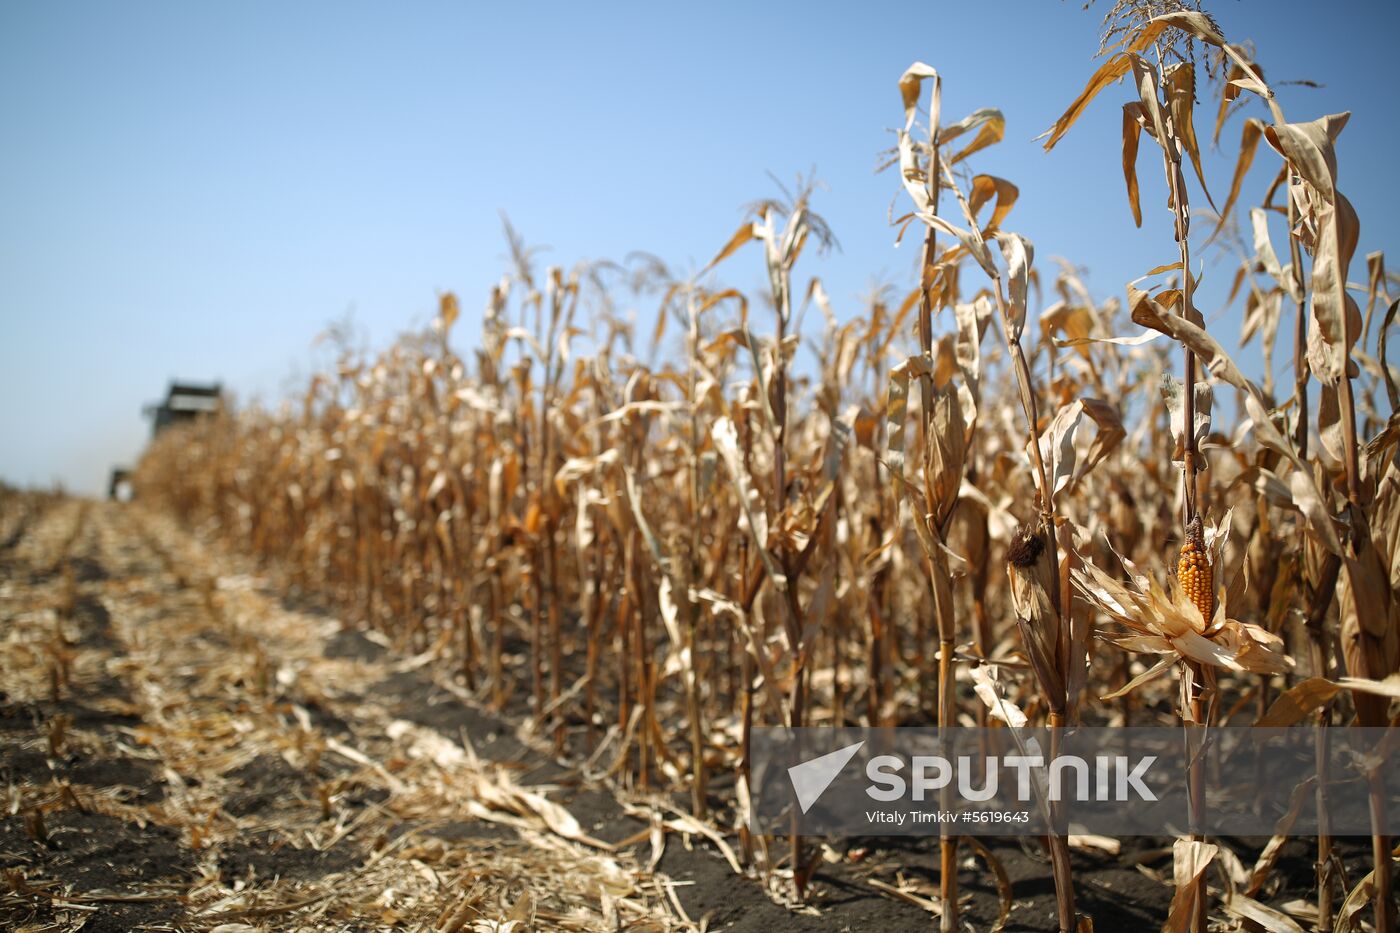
[(654, 556)]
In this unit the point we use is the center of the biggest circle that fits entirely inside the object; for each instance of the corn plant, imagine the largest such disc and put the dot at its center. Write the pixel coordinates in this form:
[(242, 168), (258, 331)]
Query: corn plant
[(645, 552)]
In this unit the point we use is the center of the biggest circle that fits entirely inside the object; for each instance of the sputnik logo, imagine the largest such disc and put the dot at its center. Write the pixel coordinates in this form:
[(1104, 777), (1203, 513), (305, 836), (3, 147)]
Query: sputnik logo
[(810, 779)]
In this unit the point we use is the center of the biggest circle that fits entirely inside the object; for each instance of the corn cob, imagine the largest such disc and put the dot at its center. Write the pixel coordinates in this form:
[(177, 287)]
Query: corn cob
[(1194, 572)]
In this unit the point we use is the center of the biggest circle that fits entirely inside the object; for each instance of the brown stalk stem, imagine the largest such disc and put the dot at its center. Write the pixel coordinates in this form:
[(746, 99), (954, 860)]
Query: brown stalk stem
[(1059, 847), (746, 701), (1191, 463), (645, 692), (797, 721), (1171, 154), (948, 844), (594, 613), (780, 408), (746, 738), (537, 629), (1064, 881), (697, 728), (1196, 789), (1359, 540), (947, 625), (1380, 855), (556, 649), (1325, 585), (623, 625), (784, 309), (1324, 836), (1070, 656)]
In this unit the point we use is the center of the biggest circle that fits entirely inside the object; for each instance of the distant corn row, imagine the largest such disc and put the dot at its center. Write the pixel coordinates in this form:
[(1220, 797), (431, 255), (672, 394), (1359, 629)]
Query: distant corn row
[(19, 511), (798, 520)]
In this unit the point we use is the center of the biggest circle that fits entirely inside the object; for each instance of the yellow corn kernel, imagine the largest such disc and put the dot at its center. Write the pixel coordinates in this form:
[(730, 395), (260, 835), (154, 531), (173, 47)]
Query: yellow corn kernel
[(1194, 572)]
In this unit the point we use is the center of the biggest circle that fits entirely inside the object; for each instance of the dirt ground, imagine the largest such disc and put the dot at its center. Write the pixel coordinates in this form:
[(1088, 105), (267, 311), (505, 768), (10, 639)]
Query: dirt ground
[(182, 749)]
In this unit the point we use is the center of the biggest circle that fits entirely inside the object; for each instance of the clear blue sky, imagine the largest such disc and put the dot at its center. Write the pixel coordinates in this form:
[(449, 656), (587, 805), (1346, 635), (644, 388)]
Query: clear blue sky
[(196, 189)]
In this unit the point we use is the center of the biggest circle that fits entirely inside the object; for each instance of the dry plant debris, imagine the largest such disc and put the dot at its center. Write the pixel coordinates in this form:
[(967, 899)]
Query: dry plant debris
[(218, 771)]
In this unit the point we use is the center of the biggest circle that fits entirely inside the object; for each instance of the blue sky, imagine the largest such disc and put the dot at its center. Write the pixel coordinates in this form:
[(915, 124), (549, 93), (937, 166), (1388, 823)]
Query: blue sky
[(195, 190)]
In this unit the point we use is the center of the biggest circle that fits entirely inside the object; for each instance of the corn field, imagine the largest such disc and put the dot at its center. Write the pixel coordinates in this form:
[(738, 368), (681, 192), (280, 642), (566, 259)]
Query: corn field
[(983, 489)]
